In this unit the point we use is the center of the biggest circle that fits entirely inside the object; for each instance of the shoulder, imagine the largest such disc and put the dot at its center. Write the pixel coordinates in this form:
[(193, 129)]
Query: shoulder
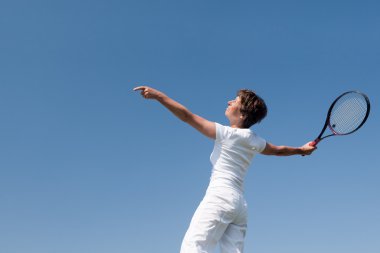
[(226, 132), (222, 132), (257, 142)]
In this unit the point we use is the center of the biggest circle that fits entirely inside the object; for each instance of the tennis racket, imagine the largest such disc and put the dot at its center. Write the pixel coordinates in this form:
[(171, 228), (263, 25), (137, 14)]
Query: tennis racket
[(346, 115)]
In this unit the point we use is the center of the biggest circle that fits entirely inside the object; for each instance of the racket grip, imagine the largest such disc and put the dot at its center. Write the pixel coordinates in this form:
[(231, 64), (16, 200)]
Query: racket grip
[(314, 143)]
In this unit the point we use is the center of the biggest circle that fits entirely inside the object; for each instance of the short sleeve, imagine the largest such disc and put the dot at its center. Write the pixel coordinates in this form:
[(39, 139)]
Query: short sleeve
[(258, 144), (221, 132)]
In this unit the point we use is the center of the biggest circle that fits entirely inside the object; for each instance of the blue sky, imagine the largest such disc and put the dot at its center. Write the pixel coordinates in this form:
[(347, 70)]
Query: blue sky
[(86, 165)]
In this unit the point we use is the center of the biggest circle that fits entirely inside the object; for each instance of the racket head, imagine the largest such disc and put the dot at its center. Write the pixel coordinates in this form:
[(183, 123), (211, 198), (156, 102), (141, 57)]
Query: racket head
[(348, 113)]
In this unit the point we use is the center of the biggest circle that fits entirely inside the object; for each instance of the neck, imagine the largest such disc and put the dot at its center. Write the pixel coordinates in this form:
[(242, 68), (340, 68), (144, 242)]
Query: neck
[(238, 124)]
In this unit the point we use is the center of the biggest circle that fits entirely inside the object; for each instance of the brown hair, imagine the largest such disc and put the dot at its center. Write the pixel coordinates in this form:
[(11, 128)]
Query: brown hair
[(253, 107)]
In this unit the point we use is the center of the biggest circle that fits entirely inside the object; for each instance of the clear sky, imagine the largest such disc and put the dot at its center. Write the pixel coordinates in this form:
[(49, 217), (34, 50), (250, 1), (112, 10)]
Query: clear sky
[(87, 165)]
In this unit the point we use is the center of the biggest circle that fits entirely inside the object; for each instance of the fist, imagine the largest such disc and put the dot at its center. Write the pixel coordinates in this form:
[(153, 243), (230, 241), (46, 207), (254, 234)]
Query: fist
[(309, 148)]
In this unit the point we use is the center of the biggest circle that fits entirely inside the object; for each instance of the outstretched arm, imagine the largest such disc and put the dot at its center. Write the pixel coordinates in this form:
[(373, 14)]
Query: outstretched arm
[(202, 125), (271, 149)]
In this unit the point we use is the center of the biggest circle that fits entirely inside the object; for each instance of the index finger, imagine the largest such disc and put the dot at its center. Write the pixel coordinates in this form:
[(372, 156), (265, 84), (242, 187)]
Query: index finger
[(139, 88)]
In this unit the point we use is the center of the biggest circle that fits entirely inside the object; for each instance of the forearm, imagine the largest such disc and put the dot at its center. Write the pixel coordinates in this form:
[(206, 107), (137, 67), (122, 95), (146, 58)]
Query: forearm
[(176, 108), (271, 149), (288, 151)]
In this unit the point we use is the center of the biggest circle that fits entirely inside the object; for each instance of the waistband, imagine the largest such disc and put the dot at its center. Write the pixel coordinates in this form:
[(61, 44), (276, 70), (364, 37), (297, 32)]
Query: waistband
[(227, 181)]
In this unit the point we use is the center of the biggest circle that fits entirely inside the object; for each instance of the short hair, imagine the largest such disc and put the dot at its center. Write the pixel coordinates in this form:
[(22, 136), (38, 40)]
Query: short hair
[(253, 107)]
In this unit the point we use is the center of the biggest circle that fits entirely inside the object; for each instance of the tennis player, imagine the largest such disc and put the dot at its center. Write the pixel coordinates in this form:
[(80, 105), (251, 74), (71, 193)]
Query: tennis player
[(221, 217)]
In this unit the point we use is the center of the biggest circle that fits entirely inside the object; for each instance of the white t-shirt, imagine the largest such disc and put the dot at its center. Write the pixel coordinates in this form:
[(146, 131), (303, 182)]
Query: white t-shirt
[(233, 152)]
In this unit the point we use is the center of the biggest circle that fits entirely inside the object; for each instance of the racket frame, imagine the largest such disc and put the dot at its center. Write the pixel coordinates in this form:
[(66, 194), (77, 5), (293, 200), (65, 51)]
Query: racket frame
[(327, 122)]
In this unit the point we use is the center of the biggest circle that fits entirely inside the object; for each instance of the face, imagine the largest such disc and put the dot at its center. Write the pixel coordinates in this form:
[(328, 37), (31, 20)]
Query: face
[(233, 109)]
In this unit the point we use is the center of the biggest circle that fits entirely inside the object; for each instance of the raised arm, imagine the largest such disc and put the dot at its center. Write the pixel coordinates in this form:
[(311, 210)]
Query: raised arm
[(202, 125), (271, 149)]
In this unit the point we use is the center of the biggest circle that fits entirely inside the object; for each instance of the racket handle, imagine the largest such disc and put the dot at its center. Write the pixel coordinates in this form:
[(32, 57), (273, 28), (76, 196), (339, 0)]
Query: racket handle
[(315, 142)]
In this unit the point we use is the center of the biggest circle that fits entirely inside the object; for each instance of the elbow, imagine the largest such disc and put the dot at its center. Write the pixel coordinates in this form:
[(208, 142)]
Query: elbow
[(185, 116), (280, 151)]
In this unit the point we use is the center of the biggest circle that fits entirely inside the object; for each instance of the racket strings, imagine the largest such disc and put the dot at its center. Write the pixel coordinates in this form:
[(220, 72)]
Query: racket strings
[(348, 113)]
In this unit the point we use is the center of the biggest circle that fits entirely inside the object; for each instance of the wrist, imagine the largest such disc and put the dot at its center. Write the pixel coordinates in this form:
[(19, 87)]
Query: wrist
[(160, 97)]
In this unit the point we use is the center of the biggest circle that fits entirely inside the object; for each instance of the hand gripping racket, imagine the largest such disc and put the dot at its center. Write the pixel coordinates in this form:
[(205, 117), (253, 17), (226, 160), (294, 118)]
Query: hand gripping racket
[(346, 114)]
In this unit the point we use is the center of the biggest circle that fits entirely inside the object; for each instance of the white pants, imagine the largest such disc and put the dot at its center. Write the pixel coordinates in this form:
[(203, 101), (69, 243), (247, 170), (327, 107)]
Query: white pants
[(220, 217)]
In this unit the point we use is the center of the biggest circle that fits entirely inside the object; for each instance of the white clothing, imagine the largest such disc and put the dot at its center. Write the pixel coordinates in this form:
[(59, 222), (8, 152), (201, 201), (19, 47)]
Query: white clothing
[(220, 217), (222, 214), (233, 152)]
